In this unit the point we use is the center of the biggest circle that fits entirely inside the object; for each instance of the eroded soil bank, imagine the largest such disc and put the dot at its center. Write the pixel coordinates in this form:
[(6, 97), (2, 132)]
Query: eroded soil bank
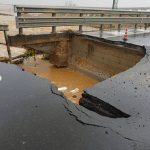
[(69, 82)]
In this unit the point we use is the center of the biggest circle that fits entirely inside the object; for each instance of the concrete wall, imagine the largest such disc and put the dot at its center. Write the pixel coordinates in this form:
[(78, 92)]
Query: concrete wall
[(56, 45), (100, 58), (46, 42)]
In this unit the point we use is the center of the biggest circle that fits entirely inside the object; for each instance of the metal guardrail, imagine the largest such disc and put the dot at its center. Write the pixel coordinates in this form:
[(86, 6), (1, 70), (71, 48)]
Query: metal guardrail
[(4, 27), (134, 8), (75, 10), (119, 8), (27, 22)]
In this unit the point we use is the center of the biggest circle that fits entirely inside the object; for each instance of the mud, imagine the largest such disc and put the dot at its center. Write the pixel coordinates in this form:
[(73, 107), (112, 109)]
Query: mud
[(4, 59), (61, 77)]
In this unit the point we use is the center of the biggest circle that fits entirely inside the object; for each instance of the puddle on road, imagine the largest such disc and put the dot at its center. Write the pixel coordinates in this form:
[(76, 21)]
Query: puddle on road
[(71, 83)]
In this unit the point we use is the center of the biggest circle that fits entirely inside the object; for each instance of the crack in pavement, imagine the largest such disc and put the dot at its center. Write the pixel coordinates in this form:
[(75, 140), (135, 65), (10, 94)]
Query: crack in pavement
[(97, 125)]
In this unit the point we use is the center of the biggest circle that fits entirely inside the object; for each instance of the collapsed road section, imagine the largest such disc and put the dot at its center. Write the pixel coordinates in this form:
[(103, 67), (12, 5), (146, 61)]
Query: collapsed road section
[(129, 92), (95, 57), (35, 115), (120, 122)]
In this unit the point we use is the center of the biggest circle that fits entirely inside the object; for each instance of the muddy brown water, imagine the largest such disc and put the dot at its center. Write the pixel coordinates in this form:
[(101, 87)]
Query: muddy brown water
[(63, 78)]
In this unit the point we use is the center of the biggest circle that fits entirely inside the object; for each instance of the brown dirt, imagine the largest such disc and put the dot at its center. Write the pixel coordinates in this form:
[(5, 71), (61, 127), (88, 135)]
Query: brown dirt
[(86, 63), (4, 59)]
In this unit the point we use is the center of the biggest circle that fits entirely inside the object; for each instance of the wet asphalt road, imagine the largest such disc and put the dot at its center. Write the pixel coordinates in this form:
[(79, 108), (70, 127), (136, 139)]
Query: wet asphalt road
[(138, 37), (129, 92), (35, 115)]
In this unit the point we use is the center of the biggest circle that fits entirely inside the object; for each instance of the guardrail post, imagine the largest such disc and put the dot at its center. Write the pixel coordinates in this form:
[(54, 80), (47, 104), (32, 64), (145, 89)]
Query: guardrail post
[(146, 23), (101, 26), (53, 27), (119, 25), (81, 26), (20, 29), (8, 48), (136, 23), (110, 26)]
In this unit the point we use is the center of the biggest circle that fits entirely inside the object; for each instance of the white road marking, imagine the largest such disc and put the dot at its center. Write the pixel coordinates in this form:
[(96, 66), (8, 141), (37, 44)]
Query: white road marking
[(0, 78)]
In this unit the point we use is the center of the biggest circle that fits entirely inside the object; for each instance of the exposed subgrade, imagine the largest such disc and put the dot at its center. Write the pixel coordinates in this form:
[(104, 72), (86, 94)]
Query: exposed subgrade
[(99, 106)]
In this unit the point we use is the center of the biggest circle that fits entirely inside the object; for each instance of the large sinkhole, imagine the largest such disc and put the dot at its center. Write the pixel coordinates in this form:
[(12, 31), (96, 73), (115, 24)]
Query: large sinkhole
[(79, 61)]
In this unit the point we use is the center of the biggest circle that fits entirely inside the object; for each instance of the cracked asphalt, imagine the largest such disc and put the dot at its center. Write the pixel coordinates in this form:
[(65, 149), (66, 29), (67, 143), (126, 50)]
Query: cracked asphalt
[(35, 115), (129, 92)]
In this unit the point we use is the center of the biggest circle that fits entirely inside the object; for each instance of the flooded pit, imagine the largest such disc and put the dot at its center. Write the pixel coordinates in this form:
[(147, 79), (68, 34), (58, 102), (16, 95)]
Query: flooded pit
[(63, 77), (96, 59)]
